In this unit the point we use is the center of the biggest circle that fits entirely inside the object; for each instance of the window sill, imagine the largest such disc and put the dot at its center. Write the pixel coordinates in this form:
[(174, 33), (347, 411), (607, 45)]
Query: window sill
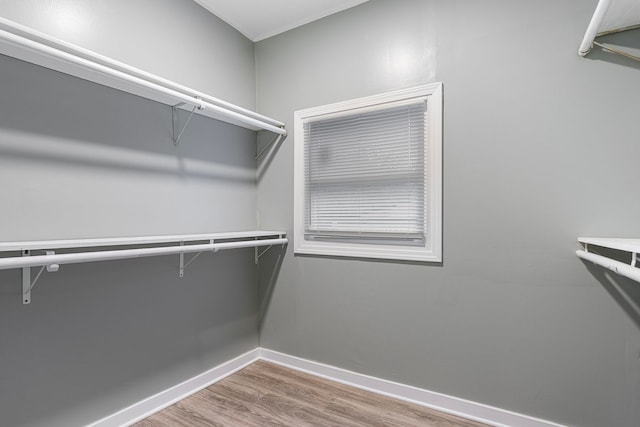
[(397, 253)]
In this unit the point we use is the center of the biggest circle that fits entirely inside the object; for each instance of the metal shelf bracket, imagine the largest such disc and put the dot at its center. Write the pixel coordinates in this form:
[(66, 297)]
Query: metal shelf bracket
[(258, 254), (271, 143), (27, 283), (183, 266), (177, 134)]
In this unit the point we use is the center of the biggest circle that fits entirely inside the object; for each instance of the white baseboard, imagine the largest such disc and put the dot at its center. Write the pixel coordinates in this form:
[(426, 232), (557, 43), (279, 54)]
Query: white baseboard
[(452, 405), (155, 403)]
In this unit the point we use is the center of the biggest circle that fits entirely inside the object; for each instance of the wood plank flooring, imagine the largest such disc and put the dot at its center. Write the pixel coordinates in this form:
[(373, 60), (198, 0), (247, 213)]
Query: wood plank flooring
[(265, 394)]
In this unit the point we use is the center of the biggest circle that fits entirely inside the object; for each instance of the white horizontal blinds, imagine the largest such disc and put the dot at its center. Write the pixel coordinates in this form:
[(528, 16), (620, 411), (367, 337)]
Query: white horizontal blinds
[(365, 173)]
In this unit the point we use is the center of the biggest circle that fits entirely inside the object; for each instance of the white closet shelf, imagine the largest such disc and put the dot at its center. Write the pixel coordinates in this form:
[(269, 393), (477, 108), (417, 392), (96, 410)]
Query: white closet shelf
[(127, 247), (32, 46), (611, 16), (136, 240), (621, 244), (632, 246)]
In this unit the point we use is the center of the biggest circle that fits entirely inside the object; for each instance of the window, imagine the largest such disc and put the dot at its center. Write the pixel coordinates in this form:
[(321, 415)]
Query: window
[(368, 177)]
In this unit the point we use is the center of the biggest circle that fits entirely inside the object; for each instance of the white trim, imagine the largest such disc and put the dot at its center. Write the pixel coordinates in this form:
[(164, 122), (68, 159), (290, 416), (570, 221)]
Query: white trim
[(145, 408), (369, 108), (421, 91), (441, 402), (452, 405)]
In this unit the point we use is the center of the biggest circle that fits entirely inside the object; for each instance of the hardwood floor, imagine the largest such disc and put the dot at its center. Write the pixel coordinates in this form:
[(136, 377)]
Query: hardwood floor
[(265, 394)]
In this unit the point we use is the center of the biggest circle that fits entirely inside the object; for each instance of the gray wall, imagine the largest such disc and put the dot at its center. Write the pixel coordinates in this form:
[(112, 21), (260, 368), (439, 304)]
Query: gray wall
[(81, 160), (540, 147)]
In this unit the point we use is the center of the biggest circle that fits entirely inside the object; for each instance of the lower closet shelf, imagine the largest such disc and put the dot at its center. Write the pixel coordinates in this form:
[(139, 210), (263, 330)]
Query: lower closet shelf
[(128, 247), (630, 248)]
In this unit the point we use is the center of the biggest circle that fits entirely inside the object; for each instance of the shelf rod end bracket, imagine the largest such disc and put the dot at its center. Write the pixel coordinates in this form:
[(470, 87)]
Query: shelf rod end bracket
[(26, 280), (177, 134), (184, 265), (181, 273), (259, 254), (27, 283)]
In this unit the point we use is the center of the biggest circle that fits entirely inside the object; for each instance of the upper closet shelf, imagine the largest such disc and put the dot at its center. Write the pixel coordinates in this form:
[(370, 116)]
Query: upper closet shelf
[(35, 47), (611, 16), (43, 253), (630, 246)]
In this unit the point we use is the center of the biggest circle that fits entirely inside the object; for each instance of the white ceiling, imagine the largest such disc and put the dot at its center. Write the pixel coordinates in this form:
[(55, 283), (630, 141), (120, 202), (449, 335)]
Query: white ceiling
[(261, 19)]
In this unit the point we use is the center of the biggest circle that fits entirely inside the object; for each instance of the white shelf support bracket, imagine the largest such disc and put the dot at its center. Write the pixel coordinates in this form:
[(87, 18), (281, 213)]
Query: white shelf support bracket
[(183, 266), (192, 259), (272, 143), (174, 120), (258, 254), (181, 274), (26, 280), (27, 284)]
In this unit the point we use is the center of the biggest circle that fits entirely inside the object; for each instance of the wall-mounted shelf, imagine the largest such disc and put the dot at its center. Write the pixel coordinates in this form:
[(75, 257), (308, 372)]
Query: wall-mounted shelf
[(43, 253), (29, 45), (630, 246), (610, 17)]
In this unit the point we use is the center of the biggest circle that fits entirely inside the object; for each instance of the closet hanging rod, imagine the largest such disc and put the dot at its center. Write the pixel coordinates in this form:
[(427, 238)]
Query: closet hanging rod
[(618, 267), (26, 38), (592, 29), (109, 255)]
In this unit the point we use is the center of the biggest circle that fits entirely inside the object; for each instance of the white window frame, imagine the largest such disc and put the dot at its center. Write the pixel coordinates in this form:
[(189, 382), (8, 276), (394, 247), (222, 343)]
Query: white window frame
[(431, 251)]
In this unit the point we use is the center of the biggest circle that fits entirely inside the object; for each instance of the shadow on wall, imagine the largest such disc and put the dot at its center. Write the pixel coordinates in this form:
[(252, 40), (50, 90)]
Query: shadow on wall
[(67, 119), (269, 270), (627, 41), (624, 291), (267, 146), (47, 149)]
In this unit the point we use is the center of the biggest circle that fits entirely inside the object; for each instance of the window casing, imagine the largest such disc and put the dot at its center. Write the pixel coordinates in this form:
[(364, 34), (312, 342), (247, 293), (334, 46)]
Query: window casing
[(368, 177)]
